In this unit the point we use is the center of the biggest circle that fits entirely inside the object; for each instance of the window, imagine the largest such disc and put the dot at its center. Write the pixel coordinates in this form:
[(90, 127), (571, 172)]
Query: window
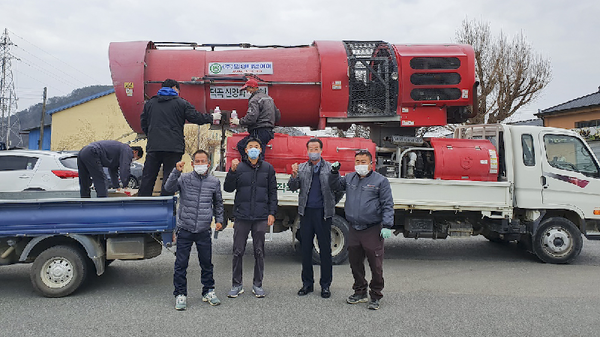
[(528, 154), (587, 124), (570, 154), (435, 63), (13, 163), (70, 162)]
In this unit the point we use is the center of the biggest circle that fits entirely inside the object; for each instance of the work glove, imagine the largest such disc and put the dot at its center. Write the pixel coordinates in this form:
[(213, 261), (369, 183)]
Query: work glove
[(216, 116), (386, 233), (234, 121), (335, 167)]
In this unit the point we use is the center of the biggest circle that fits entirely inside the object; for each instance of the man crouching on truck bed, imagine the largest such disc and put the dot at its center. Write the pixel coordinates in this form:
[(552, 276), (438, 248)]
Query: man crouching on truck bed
[(369, 209), (200, 200)]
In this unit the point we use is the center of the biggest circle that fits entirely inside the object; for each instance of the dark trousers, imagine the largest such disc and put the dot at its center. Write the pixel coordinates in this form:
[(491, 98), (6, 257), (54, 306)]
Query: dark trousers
[(152, 166), (90, 169), (241, 229), (366, 244), (185, 240), (263, 134), (311, 224)]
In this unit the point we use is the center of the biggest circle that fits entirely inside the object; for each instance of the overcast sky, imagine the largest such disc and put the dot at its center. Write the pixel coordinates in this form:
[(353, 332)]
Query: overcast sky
[(63, 45)]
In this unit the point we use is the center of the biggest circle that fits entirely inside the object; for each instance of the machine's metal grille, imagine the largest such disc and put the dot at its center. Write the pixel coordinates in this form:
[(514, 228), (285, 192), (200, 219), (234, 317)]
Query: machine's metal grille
[(373, 78)]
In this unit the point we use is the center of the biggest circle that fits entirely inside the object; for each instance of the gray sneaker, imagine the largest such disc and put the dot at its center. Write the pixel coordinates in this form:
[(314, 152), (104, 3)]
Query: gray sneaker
[(211, 298), (357, 298), (373, 304), (235, 291), (258, 291), (180, 302)]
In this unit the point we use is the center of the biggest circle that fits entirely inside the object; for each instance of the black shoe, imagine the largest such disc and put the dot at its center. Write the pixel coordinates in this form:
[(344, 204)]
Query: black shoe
[(325, 292), (358, 298), (373, 304), (305, 290)]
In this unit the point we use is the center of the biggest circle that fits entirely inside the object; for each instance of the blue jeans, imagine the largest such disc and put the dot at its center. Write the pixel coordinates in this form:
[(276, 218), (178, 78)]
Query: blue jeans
[(185, 240)]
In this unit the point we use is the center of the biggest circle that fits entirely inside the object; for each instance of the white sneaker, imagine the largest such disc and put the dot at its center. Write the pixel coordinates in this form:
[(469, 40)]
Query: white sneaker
[(211, 298), (180, 302)]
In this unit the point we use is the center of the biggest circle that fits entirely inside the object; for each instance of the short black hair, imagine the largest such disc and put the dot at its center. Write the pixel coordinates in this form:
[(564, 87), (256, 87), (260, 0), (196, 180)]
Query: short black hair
[(364, 153), (169, 83), (252, 139), (139, 150), (314, 140), (201, 151)]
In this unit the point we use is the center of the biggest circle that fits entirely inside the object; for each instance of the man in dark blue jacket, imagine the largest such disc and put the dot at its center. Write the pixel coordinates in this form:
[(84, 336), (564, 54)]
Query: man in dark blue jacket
[(162, 121), (255, 206), (112, 154), (369, 209), (200, 200)]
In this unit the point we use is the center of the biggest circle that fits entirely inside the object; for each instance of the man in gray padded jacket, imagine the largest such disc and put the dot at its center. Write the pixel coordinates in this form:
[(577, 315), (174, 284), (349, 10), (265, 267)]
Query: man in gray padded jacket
[(200, 200)]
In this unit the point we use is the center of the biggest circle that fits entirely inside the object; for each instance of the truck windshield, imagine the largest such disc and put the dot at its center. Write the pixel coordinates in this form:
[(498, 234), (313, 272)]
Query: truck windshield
[(570, 154)]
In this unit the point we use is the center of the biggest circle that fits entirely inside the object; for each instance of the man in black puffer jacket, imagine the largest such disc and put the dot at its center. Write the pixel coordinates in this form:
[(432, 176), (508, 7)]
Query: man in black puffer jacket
[(162, 121), (255, 206)]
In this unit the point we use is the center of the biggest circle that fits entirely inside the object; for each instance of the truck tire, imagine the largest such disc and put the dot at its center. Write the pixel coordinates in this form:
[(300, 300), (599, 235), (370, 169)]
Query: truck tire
[(557, 240), (339, 242), (58, 271)]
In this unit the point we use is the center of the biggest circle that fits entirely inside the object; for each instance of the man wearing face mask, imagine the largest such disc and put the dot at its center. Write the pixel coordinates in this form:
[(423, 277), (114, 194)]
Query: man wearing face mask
[(255, 206), (369, 209), (200, 201), (316, 206)]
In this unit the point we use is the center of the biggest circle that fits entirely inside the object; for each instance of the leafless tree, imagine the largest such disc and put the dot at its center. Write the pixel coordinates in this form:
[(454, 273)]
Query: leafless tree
[(510, 73), (199, 137)]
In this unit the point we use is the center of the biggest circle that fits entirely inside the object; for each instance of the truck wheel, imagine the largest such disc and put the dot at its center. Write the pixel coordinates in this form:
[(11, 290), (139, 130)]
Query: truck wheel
[(339, 242), (58, 271), (557, 240)]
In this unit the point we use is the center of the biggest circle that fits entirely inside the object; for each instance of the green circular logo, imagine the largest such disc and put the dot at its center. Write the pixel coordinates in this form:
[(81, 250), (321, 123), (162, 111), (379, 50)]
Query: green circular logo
[(215, 68)]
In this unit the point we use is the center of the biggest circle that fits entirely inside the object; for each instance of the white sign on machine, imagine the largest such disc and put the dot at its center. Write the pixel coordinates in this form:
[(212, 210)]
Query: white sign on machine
[(232, 92), (230, 68)]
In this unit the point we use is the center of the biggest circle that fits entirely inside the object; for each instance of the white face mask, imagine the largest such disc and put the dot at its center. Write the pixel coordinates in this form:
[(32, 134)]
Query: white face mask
[(362, 170), (200, 169)]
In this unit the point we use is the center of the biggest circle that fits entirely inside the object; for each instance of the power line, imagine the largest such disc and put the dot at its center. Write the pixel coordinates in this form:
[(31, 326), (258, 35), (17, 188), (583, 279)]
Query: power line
[(50, 65), (65, 63)]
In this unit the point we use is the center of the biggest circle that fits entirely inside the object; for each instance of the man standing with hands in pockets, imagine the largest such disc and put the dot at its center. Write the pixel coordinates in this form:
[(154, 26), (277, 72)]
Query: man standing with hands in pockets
[(369, 209), (200, 200), (316, 206), (254, 209)]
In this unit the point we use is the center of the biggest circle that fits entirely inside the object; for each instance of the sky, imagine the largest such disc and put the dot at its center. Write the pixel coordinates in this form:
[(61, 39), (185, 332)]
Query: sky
[(63, 45)]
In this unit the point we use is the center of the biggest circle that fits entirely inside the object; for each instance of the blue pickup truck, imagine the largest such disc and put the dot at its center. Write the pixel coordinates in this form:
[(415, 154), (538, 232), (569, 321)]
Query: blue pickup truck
[(69, 238)]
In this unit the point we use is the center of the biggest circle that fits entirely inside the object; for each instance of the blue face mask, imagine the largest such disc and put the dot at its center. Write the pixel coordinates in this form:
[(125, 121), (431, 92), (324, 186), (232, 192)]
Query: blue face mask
[(253, 153)]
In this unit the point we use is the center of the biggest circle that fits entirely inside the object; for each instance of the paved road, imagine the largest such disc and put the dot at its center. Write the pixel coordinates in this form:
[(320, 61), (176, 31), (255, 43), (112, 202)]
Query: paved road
[(454, 287)]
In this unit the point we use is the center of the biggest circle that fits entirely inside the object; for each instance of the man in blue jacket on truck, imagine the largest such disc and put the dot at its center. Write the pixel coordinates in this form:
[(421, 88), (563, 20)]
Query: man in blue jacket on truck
[(200, 201), (254, 209), (112, 154), (369, 209), (162, 121)]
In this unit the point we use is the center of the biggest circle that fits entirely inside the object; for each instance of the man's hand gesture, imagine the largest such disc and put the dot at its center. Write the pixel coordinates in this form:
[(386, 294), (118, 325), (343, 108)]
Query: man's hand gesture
[(179, 166), (294, 170), (234, 164)]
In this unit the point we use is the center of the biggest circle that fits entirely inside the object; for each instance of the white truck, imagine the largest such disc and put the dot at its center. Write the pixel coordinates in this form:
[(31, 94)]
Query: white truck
[(545, 191)]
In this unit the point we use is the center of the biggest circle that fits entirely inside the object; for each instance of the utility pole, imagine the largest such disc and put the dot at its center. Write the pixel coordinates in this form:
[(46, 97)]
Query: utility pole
[(41, 142), (8, 98)]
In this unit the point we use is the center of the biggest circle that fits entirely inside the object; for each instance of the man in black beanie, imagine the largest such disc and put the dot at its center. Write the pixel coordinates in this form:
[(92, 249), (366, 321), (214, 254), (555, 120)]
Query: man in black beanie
[(162, 121)]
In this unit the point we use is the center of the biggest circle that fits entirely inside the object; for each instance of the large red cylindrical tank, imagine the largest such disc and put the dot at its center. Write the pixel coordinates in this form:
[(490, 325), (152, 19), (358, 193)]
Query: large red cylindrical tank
[(465, 159), (317, 85), (284, 150)]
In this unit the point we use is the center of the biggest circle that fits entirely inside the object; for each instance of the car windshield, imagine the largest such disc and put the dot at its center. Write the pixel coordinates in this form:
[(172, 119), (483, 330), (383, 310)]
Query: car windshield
[(69, 162)]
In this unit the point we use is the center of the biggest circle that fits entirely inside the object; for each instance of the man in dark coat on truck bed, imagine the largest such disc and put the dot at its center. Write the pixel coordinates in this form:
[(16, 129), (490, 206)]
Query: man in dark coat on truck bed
[(255, 206), (369, 209), (112, 154), (260, 118), (162, 121)]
